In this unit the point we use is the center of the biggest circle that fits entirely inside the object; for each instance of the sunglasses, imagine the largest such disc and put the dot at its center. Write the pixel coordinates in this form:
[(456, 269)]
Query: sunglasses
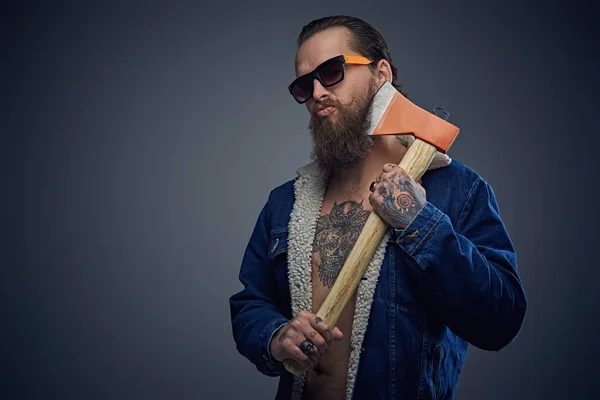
[(329, 73)]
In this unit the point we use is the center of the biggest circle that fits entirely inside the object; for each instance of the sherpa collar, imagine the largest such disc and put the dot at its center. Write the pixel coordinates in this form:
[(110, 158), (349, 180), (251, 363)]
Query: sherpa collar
[(309, 190)]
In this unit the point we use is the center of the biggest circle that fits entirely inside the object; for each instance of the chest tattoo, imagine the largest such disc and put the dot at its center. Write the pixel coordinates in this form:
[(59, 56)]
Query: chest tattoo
[(335, 236)]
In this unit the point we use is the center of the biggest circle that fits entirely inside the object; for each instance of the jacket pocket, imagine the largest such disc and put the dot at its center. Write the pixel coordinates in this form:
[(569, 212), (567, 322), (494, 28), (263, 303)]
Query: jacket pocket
[(277, 254), (278, 244)]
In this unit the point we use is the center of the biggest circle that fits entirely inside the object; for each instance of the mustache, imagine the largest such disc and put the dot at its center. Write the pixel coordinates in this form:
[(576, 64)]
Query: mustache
[(338, 104), (327, 103)]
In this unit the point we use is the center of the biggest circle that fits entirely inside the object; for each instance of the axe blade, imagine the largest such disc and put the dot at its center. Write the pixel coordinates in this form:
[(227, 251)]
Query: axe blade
[(393, 114)]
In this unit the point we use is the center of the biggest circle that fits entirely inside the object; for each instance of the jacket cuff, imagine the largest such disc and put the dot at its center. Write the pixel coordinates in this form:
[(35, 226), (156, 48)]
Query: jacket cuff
[(275, 367), (416, 234)]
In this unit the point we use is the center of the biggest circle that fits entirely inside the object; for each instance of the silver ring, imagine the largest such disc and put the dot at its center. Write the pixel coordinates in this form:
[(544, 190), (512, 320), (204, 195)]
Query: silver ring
[(308, 348), (372, 186)]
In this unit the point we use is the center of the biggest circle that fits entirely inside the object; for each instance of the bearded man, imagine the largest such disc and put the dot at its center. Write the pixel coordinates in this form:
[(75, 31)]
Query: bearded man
[(445, 275)]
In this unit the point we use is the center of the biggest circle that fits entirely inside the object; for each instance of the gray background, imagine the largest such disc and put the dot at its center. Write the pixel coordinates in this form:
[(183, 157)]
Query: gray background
[(142, 139)]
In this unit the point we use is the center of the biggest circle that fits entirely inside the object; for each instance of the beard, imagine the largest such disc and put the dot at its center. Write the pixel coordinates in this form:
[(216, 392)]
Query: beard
[(343, 142)]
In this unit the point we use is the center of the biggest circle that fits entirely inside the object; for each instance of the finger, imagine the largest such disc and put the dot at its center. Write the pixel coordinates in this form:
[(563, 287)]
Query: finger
[(309, 349), (328, 334), (397, 175), (337, 334), (390, 167), (384, 189), (393, 178), (317, 339), (320, 326), (374, 204), (297, 354)]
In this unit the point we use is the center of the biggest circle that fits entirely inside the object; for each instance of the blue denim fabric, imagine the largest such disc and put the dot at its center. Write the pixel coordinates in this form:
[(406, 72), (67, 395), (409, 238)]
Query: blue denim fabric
[(449, 280)]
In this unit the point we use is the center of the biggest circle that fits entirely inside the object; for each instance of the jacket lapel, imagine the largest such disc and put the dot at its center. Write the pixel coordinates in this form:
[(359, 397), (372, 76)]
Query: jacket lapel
[(309, 190)]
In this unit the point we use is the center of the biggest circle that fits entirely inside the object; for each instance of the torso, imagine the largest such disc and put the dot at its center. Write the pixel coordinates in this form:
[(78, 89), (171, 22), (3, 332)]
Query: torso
[(340, 223)]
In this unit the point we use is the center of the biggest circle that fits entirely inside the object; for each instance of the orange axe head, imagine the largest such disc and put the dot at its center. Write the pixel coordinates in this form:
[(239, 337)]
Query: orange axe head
[(393, 114)]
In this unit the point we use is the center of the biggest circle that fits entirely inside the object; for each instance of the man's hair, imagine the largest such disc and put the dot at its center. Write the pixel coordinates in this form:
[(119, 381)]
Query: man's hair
[(366, 40)]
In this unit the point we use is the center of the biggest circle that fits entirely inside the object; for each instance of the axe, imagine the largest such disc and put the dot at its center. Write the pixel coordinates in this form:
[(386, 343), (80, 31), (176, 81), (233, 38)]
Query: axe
[(391, 114)]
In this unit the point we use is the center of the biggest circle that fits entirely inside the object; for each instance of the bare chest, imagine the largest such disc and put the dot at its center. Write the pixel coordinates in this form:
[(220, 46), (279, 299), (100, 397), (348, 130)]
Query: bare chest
[(338, 228)]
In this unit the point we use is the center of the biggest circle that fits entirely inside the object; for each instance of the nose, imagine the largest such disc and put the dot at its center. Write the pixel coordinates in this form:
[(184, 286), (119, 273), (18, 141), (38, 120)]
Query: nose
[(319, 91)]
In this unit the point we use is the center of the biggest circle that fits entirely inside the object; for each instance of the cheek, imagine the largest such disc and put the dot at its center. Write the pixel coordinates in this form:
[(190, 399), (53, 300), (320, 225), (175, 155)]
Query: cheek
[(346, 93), (345, 90), (352, 94)]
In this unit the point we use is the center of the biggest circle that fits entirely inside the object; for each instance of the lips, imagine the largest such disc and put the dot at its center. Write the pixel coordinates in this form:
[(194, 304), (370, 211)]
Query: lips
[(323, 111)]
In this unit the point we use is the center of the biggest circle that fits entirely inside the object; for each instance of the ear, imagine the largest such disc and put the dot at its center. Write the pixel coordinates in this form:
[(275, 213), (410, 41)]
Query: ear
[(384, 72)]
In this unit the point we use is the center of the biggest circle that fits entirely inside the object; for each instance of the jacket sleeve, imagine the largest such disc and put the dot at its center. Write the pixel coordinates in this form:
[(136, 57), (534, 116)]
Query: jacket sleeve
[(468, 272), (255, 316)]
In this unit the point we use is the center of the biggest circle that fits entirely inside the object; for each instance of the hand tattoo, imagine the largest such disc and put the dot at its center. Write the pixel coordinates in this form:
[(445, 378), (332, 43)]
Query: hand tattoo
[(282, 335), (404, 207)]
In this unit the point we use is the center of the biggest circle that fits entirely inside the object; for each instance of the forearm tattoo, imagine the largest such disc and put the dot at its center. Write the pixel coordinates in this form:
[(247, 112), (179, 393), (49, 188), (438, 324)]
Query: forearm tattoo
[(335, 237)]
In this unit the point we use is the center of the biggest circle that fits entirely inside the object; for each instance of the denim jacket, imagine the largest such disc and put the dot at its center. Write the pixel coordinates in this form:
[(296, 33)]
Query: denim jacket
[(449, 280)]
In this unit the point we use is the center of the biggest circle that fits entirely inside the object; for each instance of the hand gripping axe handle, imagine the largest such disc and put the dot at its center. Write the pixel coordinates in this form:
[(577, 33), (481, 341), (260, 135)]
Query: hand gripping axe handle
[(391, 114)]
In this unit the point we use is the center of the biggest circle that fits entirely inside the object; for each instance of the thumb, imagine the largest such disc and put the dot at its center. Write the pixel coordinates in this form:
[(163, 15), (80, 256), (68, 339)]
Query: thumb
[(337, 334)]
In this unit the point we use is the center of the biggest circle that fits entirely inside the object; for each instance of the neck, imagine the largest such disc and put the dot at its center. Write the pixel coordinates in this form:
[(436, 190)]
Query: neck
[(387, 149)]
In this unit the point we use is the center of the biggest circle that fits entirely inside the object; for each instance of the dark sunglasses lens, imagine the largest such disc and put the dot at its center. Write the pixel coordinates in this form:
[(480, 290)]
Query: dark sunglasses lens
[(331, 72), (302, 89)]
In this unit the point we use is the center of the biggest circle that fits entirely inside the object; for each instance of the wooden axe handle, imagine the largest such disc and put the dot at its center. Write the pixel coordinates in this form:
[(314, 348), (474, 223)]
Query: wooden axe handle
[(416, 161)]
